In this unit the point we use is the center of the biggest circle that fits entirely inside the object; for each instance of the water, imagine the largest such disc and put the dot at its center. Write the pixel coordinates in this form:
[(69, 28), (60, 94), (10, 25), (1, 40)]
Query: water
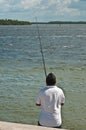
[(22, 75)]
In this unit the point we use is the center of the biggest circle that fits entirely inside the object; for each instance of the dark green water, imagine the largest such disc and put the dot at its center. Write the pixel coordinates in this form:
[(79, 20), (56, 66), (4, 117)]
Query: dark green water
[(22, 75)]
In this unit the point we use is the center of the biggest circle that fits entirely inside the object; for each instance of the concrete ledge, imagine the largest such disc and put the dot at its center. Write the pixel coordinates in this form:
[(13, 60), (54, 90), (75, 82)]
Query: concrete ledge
[(16, 126)]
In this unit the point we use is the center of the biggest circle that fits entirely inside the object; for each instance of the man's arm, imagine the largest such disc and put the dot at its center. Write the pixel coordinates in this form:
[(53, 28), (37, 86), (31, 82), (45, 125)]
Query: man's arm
[(62, 98), (38, 100)]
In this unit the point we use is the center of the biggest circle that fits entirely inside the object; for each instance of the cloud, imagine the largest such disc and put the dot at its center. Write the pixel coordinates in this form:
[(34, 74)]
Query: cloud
[(1, 1), (64, 8), (26, 4), (43, 8), (59, 8), (11, 5)]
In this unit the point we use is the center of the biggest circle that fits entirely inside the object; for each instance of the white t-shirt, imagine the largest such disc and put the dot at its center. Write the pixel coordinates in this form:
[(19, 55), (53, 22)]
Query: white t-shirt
[(50, 98)]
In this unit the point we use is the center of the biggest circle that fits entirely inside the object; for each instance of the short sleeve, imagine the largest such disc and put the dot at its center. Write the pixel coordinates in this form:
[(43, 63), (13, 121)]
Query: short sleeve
[(61, 98)]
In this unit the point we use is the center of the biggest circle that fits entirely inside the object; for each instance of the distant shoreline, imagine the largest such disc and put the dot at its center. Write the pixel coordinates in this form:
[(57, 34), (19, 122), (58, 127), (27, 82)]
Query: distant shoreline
[(61, 22), (13, 22), (16, 22)]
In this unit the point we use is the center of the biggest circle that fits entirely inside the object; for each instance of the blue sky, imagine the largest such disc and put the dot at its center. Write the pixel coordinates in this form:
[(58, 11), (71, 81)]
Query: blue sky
[(44, 10)]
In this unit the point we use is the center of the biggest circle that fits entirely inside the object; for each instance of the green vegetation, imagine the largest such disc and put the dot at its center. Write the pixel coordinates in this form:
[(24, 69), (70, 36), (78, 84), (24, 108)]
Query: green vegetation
[(13, 22), (67, 22), (16, 22), (61, 22)]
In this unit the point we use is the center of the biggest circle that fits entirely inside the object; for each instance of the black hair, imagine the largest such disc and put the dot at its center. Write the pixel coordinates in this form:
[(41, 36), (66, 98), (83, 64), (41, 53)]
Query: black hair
[(51, 79)]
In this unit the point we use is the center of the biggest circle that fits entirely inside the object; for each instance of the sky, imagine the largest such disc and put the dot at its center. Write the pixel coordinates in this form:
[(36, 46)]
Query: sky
[(44, 10)]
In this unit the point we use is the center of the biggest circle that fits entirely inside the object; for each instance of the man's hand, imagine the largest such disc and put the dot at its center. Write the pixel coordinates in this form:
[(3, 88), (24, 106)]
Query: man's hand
[(38, 104)]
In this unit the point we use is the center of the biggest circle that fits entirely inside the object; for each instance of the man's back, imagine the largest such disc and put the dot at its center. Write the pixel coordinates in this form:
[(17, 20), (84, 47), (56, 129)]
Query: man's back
[(50, 98)]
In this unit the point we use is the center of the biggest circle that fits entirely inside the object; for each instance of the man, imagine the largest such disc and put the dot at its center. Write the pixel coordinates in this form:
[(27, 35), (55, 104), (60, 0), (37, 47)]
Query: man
[(50, 98)]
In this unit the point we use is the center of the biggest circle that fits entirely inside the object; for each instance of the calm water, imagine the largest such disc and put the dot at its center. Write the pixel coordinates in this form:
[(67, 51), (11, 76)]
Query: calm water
[(22, 75)]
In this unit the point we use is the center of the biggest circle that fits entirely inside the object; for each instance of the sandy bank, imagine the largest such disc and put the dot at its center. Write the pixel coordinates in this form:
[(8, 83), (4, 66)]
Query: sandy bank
[(17, 126)]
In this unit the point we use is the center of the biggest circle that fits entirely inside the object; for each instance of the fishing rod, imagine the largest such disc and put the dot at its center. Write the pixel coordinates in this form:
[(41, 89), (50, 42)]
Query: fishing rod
[(41, 49)]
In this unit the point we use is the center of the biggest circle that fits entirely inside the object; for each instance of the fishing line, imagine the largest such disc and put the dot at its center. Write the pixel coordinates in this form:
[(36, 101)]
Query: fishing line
[(41, 49)]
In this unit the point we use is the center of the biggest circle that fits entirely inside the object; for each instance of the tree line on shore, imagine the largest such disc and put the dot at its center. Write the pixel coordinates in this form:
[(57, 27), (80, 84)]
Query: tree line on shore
[(13, 22), (67, 22), (16, 22)]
